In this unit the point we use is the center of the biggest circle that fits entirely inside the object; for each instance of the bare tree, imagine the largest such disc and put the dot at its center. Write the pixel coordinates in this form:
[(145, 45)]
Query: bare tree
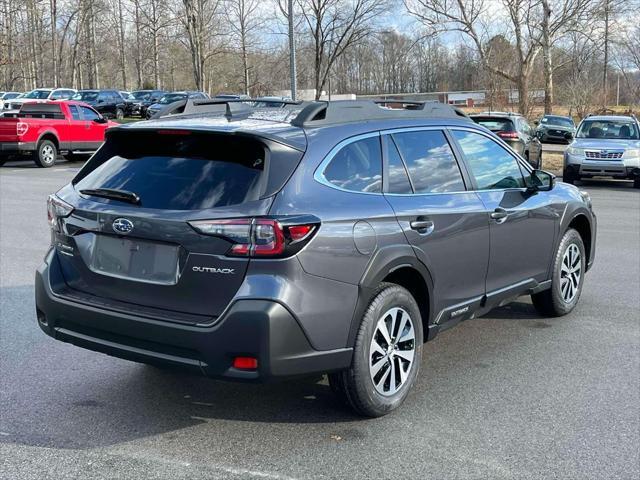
[(336, 25), (244, 21), (468, 17), (199, 23)]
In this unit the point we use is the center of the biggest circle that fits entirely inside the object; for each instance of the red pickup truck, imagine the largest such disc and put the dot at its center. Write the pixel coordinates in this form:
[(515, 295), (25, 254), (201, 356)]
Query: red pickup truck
[(42, 130)]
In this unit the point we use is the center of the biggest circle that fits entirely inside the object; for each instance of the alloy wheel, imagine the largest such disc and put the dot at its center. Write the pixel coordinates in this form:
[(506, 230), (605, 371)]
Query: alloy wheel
[(392, 351), (570, 273), (47, 154)]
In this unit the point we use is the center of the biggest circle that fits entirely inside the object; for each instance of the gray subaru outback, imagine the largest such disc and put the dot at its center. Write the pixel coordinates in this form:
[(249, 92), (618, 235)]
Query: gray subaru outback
[(261, 244)]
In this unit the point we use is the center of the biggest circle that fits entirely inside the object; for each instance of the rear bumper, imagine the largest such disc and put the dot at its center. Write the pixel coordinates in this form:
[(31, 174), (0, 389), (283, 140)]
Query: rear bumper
[(10, 148), (263, 329)]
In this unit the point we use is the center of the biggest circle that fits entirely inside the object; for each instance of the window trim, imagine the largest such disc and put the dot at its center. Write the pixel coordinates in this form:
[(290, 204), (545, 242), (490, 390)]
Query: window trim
[(319, 177), (467, 175), (525, 168)]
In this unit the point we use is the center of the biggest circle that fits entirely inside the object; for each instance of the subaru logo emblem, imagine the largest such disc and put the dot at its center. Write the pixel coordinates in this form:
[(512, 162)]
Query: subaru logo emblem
[(122, 225)]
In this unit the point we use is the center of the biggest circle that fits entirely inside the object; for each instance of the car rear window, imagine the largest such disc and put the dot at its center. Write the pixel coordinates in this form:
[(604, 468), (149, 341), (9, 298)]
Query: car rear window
[(495, 124), (179, 171)]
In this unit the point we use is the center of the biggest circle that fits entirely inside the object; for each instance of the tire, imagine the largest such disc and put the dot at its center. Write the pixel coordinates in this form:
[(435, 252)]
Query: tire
[(567, 278), (636, 182), (392, 306), (569, 177), (46, 154), (119, 114)]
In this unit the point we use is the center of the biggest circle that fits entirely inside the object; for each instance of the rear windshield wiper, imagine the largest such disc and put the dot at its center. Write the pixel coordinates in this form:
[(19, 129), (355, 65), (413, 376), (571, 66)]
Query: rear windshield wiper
[(113, 194)]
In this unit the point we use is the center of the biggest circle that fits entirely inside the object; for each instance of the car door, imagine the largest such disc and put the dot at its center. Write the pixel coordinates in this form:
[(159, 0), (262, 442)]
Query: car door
[(93, 132), (76, 128), (522, 224), (444, 222)]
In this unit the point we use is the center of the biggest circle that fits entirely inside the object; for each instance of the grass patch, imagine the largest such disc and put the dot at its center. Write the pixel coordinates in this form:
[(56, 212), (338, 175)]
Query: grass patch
[(553, 162)]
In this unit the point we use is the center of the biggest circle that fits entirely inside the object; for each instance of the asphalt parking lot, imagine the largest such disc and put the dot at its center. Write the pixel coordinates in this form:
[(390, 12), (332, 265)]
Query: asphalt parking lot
[(509, 395)]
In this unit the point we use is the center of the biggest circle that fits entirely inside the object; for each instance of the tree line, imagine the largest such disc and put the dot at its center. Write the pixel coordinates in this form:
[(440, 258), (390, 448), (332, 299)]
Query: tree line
[(580, 52)]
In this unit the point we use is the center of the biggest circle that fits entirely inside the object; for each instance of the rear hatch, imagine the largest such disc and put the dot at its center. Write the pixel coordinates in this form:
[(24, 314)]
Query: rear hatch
[(139, 251)]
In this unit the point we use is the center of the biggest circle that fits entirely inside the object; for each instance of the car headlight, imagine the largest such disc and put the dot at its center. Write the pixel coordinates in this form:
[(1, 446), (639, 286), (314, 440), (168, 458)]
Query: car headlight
[(632, 153), (575, 151)]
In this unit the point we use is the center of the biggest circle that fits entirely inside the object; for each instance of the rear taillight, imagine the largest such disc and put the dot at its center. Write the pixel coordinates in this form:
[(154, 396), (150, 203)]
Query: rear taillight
[(510, 135), (21, 128), (259, 237), (57, 209)]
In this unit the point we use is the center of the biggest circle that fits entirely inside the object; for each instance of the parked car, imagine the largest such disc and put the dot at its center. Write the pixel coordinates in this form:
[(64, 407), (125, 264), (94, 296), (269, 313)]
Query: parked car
[(515, 131), (172, 97), (39, 95), (129, 102), (605, 145), (555, 128), (6, 96), (144, 99), (251, 248), (43, 130), (232, 96), (108, 103), (275, 102)]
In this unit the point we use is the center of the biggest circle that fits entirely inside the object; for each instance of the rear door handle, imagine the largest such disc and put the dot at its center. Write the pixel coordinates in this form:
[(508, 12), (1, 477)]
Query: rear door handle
[(499, 215), (424, 227)]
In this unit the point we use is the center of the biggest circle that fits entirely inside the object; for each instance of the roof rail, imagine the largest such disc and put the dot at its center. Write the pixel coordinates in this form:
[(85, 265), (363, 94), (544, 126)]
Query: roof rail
[(321, 113)]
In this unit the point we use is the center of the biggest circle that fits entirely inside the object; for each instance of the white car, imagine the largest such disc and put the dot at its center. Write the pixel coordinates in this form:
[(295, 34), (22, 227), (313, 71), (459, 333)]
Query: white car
[(6, 96), (40, 95)]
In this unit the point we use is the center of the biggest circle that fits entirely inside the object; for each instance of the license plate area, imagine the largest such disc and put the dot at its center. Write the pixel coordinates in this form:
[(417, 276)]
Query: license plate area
[(134, 259)]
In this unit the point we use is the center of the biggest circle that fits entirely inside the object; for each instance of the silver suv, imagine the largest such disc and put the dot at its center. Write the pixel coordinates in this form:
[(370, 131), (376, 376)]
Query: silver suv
[(604, 146)]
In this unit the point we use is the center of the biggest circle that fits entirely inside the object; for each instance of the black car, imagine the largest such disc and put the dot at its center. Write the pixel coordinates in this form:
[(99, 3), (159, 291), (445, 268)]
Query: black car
[(143, 99), (129, 101), (515, 131), (109, 103), (172, 97), (249, 245), (555, 128)]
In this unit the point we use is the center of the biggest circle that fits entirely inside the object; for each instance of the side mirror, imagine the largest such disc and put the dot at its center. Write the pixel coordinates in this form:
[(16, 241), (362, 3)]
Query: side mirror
[(541, 181), (568, 136), (100, 120)]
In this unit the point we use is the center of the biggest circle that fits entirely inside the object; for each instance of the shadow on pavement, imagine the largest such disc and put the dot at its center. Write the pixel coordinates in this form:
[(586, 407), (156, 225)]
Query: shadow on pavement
[(58, 395)]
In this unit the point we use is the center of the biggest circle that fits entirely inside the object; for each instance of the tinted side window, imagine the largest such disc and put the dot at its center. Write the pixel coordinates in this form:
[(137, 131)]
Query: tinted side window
[(396, 171), (88, 113), (357, 166), (430, 161), (75, 113), (492, 166)]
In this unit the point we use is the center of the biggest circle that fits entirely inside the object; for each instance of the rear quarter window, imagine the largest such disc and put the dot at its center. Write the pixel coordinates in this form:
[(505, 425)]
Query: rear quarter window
[(357, 166)]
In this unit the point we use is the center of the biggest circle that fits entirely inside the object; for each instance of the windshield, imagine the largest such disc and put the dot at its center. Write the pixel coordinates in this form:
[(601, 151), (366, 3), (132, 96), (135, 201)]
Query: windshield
[(86, 96), (559, 121), (608, 129), (172, 97), (39, 94), (495, 124), (141, 95)]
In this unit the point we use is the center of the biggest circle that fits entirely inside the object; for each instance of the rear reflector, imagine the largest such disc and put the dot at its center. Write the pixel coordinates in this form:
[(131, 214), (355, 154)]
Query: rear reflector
[(245, 363)]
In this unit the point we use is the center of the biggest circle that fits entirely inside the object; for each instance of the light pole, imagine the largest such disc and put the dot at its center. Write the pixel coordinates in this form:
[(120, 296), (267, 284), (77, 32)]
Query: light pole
[(292, 53)]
